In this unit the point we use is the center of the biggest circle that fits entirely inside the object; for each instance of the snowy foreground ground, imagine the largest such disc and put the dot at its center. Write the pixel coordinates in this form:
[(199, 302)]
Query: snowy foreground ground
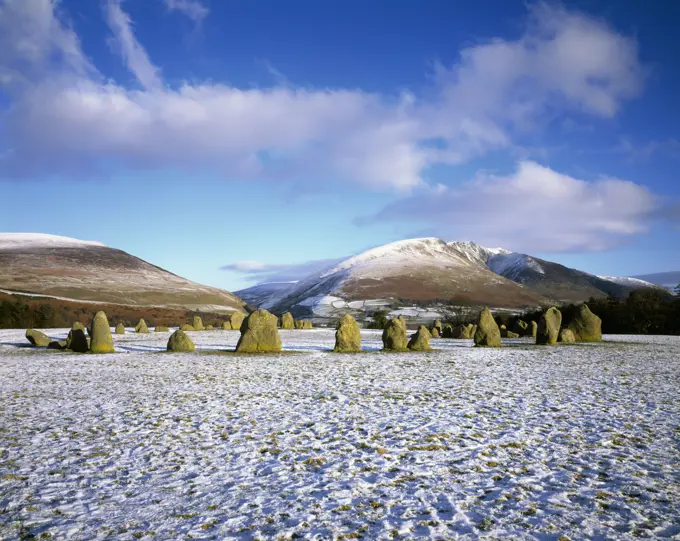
[(569, 442)]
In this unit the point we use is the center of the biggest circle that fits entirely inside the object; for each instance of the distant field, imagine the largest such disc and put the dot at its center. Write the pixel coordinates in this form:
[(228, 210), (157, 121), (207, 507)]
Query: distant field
[(525, 442)]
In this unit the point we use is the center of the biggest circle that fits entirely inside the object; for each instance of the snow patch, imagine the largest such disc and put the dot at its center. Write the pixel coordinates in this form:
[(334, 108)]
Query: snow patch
[(19, 241)]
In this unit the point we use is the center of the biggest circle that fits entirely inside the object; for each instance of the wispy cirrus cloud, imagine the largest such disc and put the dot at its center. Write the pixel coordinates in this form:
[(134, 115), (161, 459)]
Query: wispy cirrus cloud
[(66, 117), (195, 10)]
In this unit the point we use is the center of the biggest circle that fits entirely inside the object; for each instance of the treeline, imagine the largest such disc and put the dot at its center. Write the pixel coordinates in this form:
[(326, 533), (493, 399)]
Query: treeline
[(644, 311), (23, 312)]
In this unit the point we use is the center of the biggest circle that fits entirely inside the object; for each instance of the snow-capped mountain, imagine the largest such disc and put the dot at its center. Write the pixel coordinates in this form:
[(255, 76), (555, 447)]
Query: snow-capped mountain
[(422, 271), (635, 283), (425, 271), (86, 270)]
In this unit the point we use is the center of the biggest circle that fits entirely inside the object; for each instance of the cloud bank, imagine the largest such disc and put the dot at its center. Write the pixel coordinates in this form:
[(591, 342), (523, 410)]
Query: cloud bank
[(66, 117), (267, 272), (534, 209)]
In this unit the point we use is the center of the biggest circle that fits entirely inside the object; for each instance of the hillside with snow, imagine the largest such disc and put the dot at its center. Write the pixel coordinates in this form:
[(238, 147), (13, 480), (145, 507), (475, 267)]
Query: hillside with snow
[(87, 270)]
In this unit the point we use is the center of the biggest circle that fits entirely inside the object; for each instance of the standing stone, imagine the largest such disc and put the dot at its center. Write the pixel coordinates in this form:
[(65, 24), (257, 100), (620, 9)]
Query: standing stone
[(77, 341), (209, 328), (434, 332), (198, 323), (487, 334), (226, 326), (447, 331), (549, 327), (438, 325), (510, 334), (472, 330), (259, 334), (186, 327), (160, 328), (120, 329), (566, 336), (101, 340), (179, 342), (420, 340), (236, 320), (287, 321), (534, 329), (141, 327), (586, 326), (299, 324), (347, 336), (307, 324), (521, 327), (394, 335), (37, 338), (459, 332)]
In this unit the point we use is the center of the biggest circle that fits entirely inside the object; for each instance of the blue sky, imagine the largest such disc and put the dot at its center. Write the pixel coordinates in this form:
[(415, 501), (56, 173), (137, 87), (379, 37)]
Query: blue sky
[(259, 134)]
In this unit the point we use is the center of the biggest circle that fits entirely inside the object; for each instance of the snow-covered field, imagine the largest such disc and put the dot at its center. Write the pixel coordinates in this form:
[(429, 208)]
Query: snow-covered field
[(569, 442)]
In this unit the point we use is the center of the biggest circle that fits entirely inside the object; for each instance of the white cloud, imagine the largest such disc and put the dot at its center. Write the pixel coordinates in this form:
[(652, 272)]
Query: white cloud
[(193, 9), (132, 52), (273, 272), (534, 209), (66, 118)]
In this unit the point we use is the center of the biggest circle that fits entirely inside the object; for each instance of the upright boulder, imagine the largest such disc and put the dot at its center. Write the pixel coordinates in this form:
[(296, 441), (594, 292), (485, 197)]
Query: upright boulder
[(100, 339), (347, 336), (447, 331), (438, 325), (307, 324), (487, 334), (186, 327), (287, 321), (533, 329), (521, 327), (394, 335), (120, 329), (435, 332), (236, 320), (226, 325), (197, 323), (549, 327), (77, 341), (566, 336), (586, 326), (180, 342), (141, 327), (299, 324), (259, 334), (37, 339), (420, 340), (161, 328), (459, 332), (209, 328)]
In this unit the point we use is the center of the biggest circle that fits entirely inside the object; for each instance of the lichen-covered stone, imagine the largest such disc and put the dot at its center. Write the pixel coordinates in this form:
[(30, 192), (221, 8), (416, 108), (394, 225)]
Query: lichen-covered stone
[(287, 321), (179, 342), (100, 339), (487, 334), (307, 324), (438, 325), (226, 326), (566, 336), (236, 320), (420, 340), (120, 329), (521, 327), (586, 326), (259, 334), (510, 334), (161, 328), (77, 341), (549, 327), (186, 327), (38, 339), (533, 326), (394, 335), (197, 323), (459, 332), (472, 330), (141, 327), (299, 324), (59, 345), (347, 335), (209, 328), (434, 332)]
